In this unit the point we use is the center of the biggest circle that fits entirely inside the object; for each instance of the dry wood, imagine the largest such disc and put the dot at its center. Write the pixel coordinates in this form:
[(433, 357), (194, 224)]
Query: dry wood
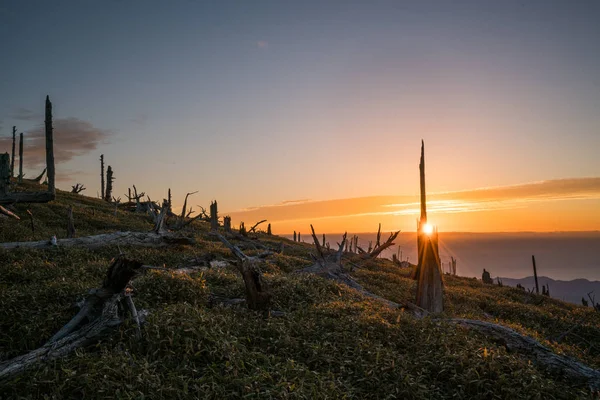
[(8, 213), (214, 216), (12, 158), (546, 358), (98, 317), (38, 178), (227, 224), (257, 294), (184, 209), (144, 239), (77, 188), (102, 175), (109, 184), (50, 149), (20, 177)]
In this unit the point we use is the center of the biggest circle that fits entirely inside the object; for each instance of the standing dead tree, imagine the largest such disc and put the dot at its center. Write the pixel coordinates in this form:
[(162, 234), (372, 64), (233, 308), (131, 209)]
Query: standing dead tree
[(243, 231), (214, 216), (269, 230), (452, 265), (184, 209), (257, 293), (102, 312), (77, 188), (7, 197), (109, 184), (12, 158), (430, 286), (227, 224), (102, 175), (20, 177), (537, 287)]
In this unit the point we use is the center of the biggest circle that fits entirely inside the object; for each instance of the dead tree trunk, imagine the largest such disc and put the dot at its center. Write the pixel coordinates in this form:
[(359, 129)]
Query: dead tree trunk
[(50, 149), (170, 200), (295, 236), (214, 216), (4, 174), (269, 230), (70, 223), (253, 229), (227, 224), (109, 184), (102, 176), (77, 188), (257, 294), (537, 287), (101, 313), (12, 158), (21, 157), (243, 229), (31, 220), (430, 286)]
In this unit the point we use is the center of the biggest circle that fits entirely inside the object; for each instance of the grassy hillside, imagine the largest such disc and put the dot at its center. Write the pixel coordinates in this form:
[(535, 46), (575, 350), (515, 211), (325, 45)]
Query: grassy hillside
[(332, 342)]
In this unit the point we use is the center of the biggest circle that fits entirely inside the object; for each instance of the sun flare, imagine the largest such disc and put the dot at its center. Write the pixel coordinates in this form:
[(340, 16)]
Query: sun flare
[(428, 228)]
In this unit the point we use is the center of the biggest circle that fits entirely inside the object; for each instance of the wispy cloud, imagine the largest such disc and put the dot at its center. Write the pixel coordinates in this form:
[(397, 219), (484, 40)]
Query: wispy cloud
[(469, 201), (72, 137)]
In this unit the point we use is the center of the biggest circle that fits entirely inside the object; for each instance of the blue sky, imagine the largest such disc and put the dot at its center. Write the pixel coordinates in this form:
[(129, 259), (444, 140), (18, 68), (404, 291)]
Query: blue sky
[(255, 103)]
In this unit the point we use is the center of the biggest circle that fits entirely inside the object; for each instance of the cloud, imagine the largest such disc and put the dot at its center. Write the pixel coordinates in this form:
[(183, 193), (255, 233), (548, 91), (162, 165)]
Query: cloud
[(25, 114), (262, 44), (72, 137), (469, 201)]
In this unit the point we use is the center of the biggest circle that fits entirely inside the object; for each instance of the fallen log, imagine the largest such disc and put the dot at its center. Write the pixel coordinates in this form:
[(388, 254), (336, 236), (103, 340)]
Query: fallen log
[(144, 239), (543, 356), (103, 308), (8, 213)]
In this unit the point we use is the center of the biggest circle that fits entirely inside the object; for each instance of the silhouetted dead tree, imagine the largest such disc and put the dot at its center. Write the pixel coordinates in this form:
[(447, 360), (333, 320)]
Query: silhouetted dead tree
[(184, 209), (102, 191), (7, 197), (77, 188), (257, 293), (12, 158), (109, 184), (376, 251), (535, 276), (295, 236), (170, 201), (269, 230), (20, 178), (38, 178), (253, 229), (227, 224), (214, 216), (243, 231)]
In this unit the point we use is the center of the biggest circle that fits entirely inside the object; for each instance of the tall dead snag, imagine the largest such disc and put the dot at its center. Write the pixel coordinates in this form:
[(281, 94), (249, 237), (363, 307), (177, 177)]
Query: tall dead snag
[(295, 237), (379, 248), (269, 230), (77, 188), (537, 287), (20, 158), (109, 184), (257, 294), (102, 175), (70, 223), (12, 158), (430, 286), (102, 312), (214, 216), (170, 200), (243, 231), (453, 265), (4, 174), (184, 209), (227, 224), (50, 149)]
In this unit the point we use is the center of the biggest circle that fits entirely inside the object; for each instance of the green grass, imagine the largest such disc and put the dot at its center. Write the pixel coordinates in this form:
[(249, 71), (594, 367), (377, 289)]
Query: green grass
[(332, 342)]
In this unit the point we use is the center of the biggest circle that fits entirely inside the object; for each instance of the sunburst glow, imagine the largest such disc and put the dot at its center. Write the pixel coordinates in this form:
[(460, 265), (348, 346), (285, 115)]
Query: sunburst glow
[(428, 229)]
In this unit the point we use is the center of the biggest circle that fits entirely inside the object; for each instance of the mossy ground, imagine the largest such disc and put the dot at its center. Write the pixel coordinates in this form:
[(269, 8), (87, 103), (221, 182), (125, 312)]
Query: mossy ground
[(331, 343)]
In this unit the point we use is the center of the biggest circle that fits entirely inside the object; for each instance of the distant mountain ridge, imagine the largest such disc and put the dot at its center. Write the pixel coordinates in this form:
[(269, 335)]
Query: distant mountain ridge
[(571, 291)]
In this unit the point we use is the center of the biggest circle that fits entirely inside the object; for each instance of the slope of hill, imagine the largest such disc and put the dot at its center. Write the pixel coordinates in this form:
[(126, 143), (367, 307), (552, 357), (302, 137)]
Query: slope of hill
[(572, 291), (331, 342)]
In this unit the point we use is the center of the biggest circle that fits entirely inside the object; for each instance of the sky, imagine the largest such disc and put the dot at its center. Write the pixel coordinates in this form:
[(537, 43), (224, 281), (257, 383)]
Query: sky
[(300, 104)]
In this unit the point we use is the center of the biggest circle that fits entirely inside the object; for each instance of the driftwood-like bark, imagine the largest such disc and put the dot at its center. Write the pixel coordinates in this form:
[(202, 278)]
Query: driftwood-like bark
[(543, 356), (98, 317), (70, 223), (12, 157), (102, 175), (257, 294), (144, 239), (8, 213)]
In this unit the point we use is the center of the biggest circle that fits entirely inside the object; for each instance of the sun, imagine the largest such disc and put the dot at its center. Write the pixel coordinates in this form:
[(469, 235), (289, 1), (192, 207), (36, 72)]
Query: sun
[(427, 228)]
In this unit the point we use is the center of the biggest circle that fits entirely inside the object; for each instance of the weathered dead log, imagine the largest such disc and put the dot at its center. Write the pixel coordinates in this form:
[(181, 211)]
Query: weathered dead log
[(257, 294), (8, 213), (543, 356), (12, 158), (70, 223), (144, 239), (98, 317)]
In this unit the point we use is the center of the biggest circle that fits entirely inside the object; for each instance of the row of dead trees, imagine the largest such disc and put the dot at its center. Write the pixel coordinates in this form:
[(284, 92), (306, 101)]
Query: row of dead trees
[(21, 175)]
